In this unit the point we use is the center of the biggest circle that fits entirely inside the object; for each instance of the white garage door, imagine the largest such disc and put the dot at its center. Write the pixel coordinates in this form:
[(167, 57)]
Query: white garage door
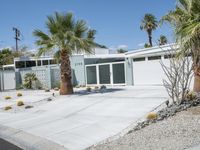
[(148, 72)]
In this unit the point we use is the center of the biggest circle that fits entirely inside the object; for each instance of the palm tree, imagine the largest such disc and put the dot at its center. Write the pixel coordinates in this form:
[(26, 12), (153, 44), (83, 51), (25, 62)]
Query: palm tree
[(29, 78), (186, 21), (149, 23), (68, 36), (162, 40)]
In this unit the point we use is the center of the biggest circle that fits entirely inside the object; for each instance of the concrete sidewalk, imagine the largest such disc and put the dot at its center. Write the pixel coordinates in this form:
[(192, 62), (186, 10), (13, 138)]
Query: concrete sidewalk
[(81, 120)]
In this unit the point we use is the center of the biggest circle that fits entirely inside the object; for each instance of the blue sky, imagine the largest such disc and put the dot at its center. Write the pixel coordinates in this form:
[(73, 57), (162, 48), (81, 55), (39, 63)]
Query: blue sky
[(116, 21)]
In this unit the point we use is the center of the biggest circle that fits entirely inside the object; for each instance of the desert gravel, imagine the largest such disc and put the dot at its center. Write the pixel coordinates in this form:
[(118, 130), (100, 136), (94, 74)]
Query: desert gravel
[(175, 133)]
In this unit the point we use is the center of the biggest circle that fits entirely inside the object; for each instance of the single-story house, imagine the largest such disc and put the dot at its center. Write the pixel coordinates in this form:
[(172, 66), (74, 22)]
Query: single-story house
[(136, 67)]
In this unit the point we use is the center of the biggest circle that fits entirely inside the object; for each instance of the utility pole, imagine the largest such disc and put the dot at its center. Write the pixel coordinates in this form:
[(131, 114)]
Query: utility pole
[(17, 35)]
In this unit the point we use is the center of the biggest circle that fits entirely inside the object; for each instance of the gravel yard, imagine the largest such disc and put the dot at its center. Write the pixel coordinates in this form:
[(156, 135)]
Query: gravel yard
[(179, 132)]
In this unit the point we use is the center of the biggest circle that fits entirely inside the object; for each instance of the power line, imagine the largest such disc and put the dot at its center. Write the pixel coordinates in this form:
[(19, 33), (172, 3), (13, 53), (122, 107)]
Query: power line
[(17, 35)]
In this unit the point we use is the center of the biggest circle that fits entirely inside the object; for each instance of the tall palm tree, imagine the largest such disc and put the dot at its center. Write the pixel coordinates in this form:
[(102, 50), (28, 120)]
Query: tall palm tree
[(149, 23), (68, 36), (162, 40), (186, 21)]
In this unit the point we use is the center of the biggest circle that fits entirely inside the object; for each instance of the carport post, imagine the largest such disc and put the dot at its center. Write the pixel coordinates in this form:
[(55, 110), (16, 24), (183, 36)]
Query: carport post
[(97, 71)]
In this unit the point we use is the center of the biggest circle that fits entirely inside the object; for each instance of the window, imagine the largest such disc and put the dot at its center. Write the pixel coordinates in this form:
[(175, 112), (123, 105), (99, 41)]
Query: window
[(39, 63), (45, 62), (20, 64), (154, 57), (139, 59), (53, 61), (30, 63), (169, 56)]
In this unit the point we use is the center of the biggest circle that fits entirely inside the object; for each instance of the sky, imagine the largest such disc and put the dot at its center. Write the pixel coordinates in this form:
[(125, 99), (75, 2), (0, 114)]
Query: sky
[(117, 21)]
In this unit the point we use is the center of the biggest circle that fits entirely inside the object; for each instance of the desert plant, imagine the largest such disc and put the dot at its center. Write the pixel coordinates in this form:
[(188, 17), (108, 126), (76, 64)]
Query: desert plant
[(96, 87), (152, 116), (162, 40), (7, 97), (29, 78), (88, 89), (56, 89), (28, 107), (149, 23), (19, 94), (179, 75), (47, 90), (103, 87), (20, 103), (7, 108), (68, 36), (185, 19), (191, 95)]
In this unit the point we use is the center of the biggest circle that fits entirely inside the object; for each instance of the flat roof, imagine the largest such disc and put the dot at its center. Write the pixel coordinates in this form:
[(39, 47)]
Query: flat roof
[(152, 50)]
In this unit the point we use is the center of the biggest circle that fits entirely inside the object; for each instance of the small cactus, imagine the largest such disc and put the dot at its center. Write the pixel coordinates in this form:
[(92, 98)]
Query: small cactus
[(7, 97), (19, 94), (20, 103), (7, 108), (151, 116)]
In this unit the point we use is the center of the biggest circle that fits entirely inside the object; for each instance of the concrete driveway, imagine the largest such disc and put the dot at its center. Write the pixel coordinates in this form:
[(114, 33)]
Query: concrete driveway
[(81, 120)]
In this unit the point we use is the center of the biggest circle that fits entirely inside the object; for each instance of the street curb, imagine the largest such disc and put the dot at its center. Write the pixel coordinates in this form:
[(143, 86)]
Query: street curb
[(27, 141)]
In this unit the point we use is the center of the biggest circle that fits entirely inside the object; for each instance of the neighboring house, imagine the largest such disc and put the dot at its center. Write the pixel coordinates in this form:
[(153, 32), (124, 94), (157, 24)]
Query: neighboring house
[(136, 67)]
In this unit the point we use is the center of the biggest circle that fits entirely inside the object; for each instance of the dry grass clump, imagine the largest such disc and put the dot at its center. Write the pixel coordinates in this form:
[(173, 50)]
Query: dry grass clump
[(7, 108), (19, 94), (20, 103), (191, 95), (7, 97), (152, 116)]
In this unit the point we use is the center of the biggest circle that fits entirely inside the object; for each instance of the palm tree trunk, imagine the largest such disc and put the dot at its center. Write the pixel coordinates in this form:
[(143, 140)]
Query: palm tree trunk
[(150, 37), (65, 71), (196, 86)]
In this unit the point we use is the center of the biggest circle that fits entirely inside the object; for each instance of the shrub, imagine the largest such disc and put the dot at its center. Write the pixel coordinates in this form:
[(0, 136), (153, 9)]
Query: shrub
[(20, 103), (28, 107), (19, 94), (8, 97), (77, 86), (7, 108), (96, 87), (47, 90), (151, 116), (29, 78), (103, 87), (191, 95), (88, 89)]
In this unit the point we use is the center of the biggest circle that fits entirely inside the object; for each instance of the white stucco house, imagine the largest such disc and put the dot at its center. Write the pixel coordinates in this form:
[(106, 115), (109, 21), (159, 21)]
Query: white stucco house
[(136, 67)]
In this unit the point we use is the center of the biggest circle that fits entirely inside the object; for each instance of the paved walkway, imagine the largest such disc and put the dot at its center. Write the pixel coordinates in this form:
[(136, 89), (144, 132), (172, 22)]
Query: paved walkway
[(80, 120)]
